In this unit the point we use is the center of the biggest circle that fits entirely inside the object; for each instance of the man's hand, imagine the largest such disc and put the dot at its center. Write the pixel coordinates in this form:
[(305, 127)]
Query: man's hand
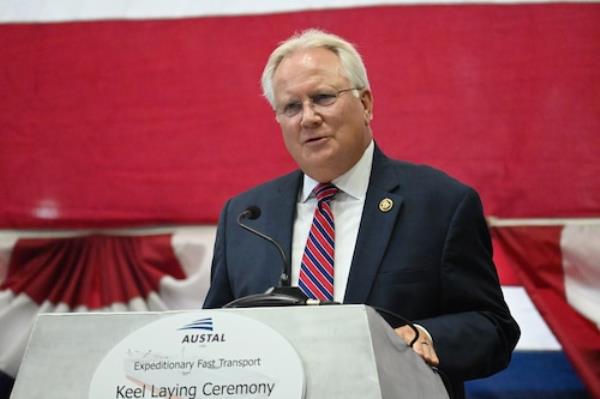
[(423, 346)]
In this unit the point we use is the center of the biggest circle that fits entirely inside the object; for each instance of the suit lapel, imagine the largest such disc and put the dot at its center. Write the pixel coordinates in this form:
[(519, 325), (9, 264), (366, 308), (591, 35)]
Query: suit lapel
[(376, 226)]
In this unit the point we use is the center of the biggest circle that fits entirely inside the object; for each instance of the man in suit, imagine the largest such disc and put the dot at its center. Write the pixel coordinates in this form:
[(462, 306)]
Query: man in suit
[(402, 237)]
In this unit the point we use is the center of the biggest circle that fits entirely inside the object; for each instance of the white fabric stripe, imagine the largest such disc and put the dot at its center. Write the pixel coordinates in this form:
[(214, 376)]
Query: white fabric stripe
[(84, 10), (535, 334), (500, 222), (580, 247), (194, 250)]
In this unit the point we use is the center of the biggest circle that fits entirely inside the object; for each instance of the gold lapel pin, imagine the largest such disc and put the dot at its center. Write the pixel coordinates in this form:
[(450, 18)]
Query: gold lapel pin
[(386, 205)]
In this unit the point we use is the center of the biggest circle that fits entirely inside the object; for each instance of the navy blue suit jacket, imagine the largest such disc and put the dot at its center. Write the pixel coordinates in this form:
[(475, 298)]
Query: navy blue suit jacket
[(428, 259)]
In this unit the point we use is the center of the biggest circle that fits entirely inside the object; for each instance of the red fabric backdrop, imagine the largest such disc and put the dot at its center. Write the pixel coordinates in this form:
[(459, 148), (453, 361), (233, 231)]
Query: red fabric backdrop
[(144, 122)]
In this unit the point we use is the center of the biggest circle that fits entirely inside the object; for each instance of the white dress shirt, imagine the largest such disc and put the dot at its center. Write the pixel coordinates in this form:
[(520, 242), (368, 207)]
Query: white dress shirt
[(347, 207)]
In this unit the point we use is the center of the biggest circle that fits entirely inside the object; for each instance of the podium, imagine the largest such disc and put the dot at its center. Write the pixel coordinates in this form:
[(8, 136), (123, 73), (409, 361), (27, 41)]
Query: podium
[(343, 351)]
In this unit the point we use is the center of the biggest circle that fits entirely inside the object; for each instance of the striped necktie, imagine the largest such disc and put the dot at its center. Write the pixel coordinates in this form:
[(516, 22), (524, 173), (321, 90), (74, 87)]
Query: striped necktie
[(316, 270)]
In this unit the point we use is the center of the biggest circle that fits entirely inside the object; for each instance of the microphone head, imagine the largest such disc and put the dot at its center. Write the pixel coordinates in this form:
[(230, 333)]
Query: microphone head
[(253, 212)]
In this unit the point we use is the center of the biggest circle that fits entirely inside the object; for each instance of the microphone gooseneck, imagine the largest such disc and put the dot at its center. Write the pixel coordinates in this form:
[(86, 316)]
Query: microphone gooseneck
[(251, 213)]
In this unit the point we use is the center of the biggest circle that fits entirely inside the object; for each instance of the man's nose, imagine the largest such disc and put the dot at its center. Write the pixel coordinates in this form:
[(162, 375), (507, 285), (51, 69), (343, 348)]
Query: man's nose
[(310, 118)]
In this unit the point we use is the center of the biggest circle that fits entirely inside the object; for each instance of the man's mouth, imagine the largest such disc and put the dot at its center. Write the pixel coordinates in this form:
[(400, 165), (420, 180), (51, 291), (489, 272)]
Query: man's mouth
[(316, 140)]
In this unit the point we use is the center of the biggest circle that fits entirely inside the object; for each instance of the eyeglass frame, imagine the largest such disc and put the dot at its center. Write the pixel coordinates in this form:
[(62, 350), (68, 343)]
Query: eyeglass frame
[(279, 112)]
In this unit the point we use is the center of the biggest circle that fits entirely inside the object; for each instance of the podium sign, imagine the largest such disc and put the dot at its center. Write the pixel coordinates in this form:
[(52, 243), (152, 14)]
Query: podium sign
[(329, 352), (197, 355)]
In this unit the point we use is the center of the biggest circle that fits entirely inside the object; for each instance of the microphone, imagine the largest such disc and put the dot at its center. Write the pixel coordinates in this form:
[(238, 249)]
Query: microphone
[(251, 213), (282, 295)]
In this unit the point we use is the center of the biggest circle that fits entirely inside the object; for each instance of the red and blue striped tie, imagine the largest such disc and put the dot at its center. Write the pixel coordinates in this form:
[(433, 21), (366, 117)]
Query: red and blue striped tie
[(316, 271)]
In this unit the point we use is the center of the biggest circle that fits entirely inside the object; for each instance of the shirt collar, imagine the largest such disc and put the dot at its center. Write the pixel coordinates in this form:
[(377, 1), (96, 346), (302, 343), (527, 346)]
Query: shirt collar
[(354, 182)]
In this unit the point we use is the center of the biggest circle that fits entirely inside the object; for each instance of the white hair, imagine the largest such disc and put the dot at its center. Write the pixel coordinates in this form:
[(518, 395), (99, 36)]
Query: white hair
[(352, 65)]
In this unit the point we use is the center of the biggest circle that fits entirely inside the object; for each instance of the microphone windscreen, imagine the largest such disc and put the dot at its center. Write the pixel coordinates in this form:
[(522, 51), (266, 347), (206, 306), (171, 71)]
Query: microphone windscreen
[(253, 212)]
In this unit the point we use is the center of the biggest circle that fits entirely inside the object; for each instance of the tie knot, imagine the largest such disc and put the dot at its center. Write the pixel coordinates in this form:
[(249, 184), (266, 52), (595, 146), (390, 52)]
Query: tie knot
[(325, 192)]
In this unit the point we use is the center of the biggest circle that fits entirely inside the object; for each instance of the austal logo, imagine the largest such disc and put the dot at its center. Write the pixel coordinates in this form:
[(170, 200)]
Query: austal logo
[(202, 324), (205, 324)]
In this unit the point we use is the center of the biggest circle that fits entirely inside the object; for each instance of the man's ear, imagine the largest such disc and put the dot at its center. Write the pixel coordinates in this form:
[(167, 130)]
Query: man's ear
[(366, 99)]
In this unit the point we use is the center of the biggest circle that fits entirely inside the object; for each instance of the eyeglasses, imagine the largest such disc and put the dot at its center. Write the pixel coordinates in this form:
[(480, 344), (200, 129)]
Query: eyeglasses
[(318, 100)]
